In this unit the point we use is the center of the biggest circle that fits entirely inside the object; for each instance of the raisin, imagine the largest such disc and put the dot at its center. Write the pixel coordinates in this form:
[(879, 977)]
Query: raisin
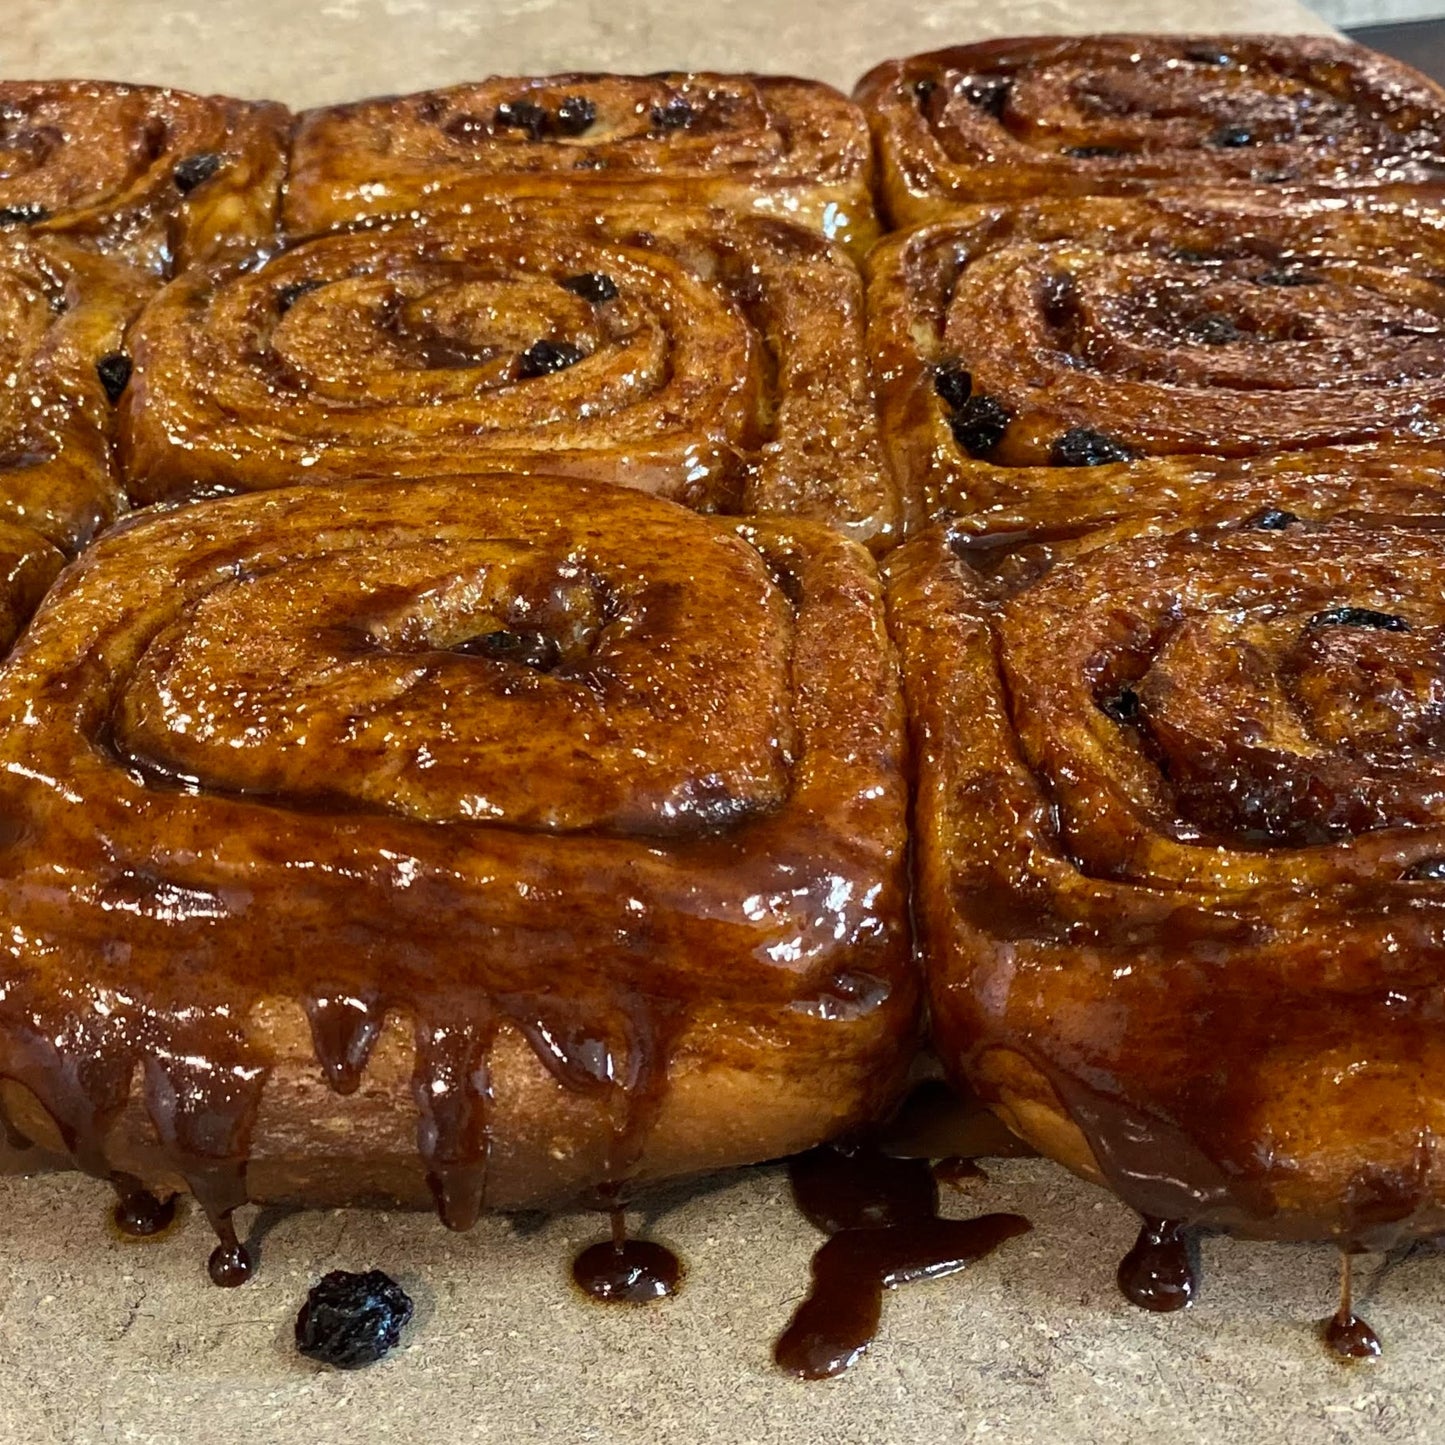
[(575, 115), (592, 286), (1359, 617), (1427, 870), (1082, 447), (1286, 278), (1207, 55), (979, 424), (1232, 137), (523, 115), (1271, 520), (675, 115), (1095, 153), (1211, 329), (26, 213), (350, 1320), (194, 170), (288, 296), (467, 127), (1123, 706), (544, 357), (989, 93), (953, 383), (114, 372), (923, 90), (529, 649)]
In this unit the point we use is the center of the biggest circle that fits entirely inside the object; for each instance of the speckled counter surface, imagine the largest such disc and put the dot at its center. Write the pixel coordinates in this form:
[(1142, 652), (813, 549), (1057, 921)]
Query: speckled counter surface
[(109, 1340)]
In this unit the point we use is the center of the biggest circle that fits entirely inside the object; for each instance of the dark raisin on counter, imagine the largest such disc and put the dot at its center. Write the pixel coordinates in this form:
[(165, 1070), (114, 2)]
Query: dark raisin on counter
[(195, 170), (1232, 137), (1359, 617), (542, 358), (114, 373), (1271, 520), (979, 424), (1082, 447), (575, 115), (592, 286), (522, 115), (350, 1320), (24, 214)]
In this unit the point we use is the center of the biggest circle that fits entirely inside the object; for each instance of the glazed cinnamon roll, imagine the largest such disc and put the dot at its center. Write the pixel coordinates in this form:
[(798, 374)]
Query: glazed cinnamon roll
[(758, 143), (1124, 114), (63, 313), (159, 177), (1014, 346), (1180, 841), (712, 359), (518, 836)]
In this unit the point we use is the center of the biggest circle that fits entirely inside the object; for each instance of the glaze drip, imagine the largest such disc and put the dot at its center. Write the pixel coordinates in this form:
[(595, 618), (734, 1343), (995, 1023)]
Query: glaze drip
[(621, 1270), (1158, 1273), (881, 1216)]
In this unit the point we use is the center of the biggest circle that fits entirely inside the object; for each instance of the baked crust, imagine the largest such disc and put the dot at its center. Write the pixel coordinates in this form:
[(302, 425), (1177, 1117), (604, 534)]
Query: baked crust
[(1178, 837), (1037, 116), (1055, 344), (565, 847), (794, 149), (713, 359), (158, 177)]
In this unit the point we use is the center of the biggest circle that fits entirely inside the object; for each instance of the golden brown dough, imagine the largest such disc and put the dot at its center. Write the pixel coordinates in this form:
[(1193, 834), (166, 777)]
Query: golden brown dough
[(1052, 115), (794, 149), (1179, 835), (159, 177), (519, 834), (713, 359), (1023, 348)]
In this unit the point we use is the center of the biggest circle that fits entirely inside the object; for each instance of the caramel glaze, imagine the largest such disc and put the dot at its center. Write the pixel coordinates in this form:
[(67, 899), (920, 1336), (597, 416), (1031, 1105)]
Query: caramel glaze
[(622, 1270), (154, 176), (1205, 333), (1179, 834), (1345, 1333), (139, 1214), (613, 896), (881, 1218), (786, 147), (714, 359), (1120, 114), (1158, 1272)]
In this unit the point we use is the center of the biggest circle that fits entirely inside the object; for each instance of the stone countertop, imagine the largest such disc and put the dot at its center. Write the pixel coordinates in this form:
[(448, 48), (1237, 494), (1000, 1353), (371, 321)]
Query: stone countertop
[(107, 1340)]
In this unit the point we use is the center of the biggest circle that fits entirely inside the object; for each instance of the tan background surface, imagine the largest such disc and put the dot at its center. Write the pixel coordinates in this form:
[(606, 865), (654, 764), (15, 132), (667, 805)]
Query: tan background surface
[(106, 1340)]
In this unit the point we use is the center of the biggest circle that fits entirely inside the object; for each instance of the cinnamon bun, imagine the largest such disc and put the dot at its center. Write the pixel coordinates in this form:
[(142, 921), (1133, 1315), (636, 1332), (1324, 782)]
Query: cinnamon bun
[(515, 836), (156, 176), (1016, 346), (1125, 114), (1180, 840), (759, 143), (713, 359)]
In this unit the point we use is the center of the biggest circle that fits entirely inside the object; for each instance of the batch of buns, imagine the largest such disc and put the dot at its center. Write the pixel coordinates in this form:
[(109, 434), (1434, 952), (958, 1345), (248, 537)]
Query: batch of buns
[(553, 620)]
